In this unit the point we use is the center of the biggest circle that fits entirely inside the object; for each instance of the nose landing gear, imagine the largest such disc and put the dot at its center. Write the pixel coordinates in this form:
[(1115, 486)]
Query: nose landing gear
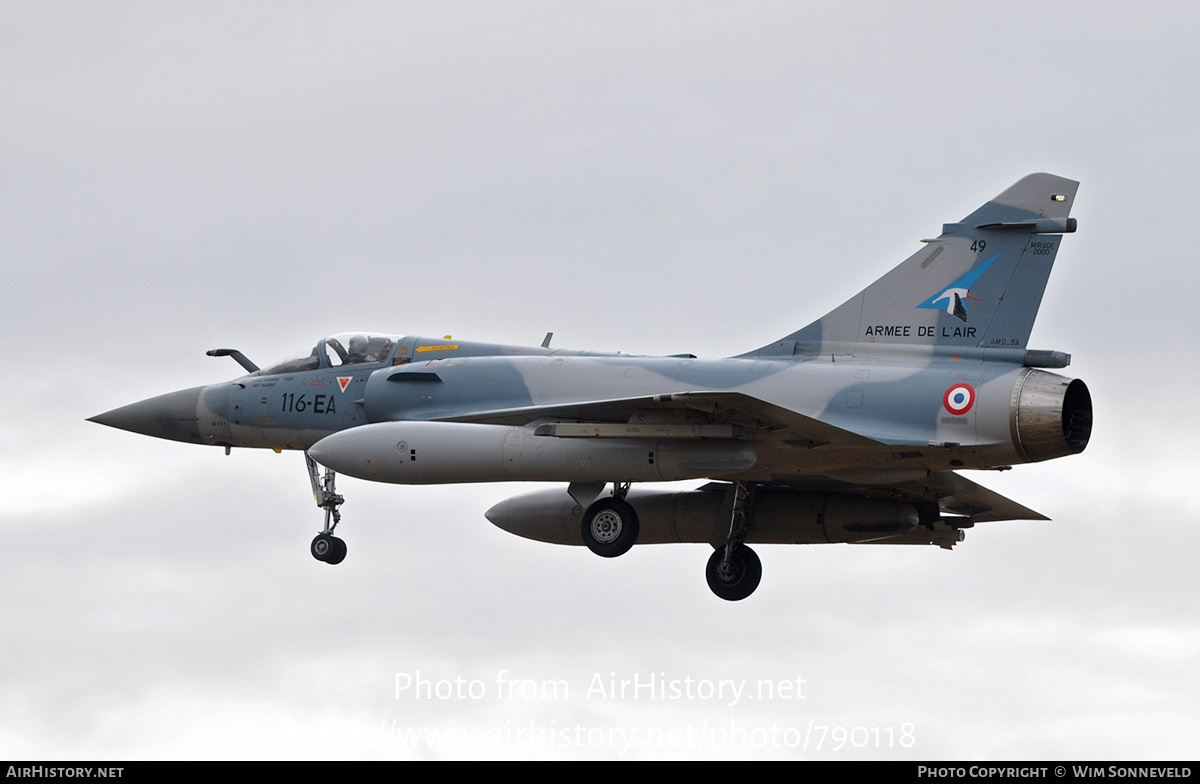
[(325, 546)]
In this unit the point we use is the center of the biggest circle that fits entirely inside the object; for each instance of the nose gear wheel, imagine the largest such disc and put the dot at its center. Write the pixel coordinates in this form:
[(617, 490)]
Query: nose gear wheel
[(328, 548)]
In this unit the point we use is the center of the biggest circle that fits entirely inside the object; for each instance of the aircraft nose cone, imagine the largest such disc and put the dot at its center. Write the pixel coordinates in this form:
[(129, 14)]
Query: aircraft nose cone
[(172, 416)]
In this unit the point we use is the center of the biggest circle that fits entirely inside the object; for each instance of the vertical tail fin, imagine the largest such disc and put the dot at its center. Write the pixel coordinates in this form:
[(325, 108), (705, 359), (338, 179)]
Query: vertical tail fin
[(979, 284)]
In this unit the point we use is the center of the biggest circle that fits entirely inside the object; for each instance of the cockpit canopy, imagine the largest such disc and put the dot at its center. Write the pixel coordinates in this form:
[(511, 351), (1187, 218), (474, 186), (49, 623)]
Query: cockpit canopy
[(343, 349)]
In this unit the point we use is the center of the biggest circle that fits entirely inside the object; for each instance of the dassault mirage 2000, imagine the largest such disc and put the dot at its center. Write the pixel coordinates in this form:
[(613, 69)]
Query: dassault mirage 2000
[(848, 430)]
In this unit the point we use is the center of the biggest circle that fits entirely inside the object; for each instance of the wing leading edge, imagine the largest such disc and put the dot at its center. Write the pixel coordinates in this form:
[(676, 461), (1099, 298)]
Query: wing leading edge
[(733, 414), (747, 416)]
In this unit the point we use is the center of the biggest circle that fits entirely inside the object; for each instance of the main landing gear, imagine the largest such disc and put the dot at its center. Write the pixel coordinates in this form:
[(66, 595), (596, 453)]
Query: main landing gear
[(325, 546), (610, 527), (734, 570)]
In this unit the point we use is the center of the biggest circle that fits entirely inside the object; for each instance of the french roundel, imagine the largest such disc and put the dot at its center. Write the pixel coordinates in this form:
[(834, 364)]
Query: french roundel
[(959, 398)]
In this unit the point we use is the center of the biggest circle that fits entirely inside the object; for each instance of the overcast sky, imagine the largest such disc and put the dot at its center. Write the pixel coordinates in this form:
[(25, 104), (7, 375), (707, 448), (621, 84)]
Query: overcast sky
[(674, 177)]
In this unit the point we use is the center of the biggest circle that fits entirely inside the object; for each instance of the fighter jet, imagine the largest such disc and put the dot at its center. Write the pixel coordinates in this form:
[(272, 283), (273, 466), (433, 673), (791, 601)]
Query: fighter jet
[(852, 429)]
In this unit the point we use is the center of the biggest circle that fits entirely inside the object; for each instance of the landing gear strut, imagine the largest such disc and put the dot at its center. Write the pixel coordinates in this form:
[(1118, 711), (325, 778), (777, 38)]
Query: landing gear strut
[(326, 547), (734, 570), (610, 525)]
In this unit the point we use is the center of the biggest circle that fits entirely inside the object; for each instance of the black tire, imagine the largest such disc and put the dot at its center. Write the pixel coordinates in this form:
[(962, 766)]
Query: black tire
[(745, 573), (610, 527), (323, 547), (337, 553), (320, 547)]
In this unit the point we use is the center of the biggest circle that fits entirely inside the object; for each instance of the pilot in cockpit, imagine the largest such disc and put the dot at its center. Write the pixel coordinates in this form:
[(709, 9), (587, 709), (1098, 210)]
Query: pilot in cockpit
[(357, 351)]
